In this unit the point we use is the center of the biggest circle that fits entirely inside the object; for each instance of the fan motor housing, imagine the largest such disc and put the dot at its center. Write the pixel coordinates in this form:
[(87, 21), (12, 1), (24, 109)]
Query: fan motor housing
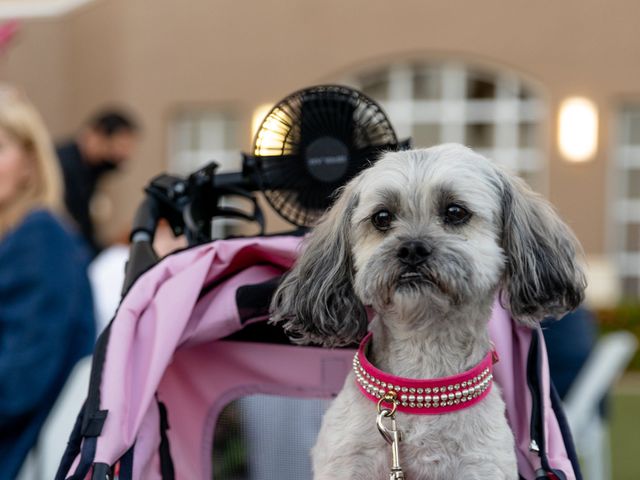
[(327, 159)]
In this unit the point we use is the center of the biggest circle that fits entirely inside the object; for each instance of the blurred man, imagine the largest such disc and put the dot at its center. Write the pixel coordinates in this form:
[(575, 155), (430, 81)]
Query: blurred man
[(104, 143)]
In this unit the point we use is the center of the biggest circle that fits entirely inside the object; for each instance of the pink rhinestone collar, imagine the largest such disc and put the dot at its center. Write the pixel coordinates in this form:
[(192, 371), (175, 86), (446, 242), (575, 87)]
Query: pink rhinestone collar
[(425, 397)]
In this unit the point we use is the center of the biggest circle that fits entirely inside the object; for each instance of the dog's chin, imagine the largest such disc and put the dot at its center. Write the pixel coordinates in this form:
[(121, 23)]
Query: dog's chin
[(416, 287), (414, 283), (412, 290)]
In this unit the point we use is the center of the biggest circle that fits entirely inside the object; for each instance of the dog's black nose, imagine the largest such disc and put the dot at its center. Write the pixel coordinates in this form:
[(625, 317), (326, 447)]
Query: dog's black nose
[(413, 253)]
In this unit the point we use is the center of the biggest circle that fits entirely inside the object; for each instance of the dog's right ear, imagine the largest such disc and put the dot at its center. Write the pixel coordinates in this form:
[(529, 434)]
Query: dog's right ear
[(316, 300)]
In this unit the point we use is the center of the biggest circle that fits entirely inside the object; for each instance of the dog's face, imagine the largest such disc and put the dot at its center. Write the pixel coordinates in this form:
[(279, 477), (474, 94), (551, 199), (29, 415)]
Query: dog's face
[(426, 230), (438, 228)]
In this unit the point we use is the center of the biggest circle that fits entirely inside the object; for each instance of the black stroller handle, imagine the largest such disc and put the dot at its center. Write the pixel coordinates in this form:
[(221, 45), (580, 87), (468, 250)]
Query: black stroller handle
[(189, 206)]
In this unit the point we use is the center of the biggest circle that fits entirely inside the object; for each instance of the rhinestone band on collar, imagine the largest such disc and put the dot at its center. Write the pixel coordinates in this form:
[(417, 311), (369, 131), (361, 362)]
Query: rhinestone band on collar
[(425, 397)]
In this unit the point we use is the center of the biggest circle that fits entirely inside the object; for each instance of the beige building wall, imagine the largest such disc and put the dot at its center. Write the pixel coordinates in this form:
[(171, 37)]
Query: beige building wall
[(37, 61), (157, 55)]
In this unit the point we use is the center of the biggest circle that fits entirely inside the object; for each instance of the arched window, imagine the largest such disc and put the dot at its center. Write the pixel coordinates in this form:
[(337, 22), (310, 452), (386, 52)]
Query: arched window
[(493, 112)]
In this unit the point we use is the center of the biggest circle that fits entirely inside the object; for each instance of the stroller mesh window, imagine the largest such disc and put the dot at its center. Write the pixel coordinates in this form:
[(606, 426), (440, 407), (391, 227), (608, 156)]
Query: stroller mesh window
[(265, 437)]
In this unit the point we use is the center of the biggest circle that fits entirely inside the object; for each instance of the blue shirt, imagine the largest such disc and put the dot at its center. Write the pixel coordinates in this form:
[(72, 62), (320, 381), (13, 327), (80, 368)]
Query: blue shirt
[(46, 326)]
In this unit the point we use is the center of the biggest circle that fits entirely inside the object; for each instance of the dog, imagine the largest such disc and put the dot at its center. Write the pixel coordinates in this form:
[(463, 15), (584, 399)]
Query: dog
[(426, 239)]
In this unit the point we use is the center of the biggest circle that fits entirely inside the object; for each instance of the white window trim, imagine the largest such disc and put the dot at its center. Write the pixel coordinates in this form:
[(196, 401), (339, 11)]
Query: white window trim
[(624, 210)]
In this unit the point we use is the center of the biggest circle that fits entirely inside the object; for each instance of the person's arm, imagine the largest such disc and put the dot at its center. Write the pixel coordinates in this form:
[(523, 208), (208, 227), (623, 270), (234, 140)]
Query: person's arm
[(37, 277)]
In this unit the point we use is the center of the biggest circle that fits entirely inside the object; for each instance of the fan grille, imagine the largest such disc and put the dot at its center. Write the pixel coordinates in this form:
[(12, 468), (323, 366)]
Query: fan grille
[(281, 145)]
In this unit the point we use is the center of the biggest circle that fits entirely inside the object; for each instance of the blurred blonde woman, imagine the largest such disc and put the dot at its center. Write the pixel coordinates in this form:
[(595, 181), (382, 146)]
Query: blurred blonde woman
[(46, 312), (29, 175)]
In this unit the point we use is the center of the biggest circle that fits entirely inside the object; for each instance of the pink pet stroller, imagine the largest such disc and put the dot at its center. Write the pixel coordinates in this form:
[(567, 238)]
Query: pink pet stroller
[(189, 381)]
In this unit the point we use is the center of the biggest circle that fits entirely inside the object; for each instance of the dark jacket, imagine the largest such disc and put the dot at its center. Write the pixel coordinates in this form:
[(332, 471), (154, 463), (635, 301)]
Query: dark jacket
[(80, 182), (569, 342), (46, 326)]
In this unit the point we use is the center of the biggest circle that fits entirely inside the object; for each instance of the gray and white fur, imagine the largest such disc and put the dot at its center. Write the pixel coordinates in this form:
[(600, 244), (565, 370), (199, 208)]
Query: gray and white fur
[(455, 231)]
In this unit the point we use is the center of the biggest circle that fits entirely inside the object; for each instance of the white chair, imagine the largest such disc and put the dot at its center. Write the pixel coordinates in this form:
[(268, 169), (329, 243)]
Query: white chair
[(44, 459), (604, 366), (106, 270)]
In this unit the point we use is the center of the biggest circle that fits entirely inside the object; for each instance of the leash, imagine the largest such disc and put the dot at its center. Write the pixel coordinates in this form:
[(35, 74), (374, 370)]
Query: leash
[(391, 434)]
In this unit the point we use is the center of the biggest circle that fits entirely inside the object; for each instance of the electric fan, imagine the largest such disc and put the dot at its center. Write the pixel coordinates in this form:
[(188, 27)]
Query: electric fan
[(309, 145), (313, 142)]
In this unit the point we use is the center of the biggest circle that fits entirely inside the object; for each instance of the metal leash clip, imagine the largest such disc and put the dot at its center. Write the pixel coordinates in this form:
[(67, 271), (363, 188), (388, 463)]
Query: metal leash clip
[(391, 435)]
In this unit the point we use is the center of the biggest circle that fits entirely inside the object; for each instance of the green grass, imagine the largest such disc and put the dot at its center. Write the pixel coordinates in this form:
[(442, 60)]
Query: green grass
[(625, 435)]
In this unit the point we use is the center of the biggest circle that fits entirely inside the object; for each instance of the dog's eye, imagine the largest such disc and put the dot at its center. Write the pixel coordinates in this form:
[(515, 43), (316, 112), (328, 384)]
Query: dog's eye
[(382, 220), (455, 214)]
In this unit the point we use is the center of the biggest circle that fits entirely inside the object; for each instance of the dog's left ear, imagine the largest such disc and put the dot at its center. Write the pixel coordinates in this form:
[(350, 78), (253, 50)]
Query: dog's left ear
[(543, 275), (316, 300)]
